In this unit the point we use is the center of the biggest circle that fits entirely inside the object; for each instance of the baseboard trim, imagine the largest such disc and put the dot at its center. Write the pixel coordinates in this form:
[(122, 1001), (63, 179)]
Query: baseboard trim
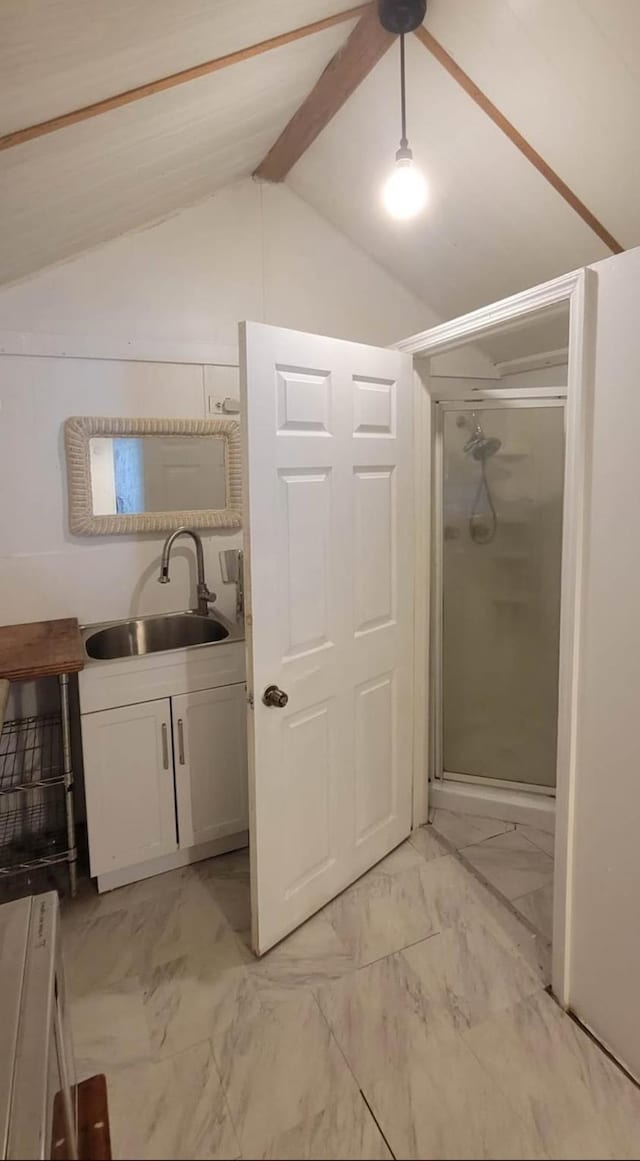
[(172, 862)]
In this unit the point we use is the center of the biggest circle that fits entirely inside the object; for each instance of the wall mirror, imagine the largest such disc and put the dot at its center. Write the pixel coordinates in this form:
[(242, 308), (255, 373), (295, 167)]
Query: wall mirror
[(152, 475)]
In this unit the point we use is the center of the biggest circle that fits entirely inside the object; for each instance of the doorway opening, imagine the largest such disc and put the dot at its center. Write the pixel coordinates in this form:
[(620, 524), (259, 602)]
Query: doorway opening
[(497, 555), (505, 442)]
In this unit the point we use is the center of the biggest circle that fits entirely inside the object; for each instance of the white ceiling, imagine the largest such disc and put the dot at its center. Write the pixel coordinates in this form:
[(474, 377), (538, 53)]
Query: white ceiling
[(493, 225), (567, 74), (73, 189), (58, 55)]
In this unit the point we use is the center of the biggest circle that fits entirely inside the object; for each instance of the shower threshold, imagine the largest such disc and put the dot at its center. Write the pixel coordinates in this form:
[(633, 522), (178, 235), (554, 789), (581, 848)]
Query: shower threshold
[(525, 805)]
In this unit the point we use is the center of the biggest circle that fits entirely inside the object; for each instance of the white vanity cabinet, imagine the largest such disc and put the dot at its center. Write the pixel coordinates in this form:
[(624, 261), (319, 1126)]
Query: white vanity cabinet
[(165, 774), (210, 748), (129, 788)]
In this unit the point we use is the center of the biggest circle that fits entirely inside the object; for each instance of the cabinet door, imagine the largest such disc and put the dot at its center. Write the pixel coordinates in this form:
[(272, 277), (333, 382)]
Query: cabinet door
[(209, 729), (128, 769)]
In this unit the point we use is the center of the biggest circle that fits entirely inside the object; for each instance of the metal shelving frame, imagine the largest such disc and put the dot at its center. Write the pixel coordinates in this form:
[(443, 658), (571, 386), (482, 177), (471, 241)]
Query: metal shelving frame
[(37, 823)]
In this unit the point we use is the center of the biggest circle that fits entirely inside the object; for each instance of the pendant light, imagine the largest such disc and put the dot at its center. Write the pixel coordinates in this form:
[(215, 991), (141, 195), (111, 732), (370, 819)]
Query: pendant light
[(405, 191)]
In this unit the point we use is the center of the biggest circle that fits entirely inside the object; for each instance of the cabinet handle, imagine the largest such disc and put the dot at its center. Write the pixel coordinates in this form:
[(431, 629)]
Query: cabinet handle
[(180, 742), (165, 746)]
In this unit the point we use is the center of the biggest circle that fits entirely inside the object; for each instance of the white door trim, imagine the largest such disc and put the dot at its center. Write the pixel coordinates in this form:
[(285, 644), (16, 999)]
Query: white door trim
[(578, 289), (501, 315), (422, 737), (577, 484)]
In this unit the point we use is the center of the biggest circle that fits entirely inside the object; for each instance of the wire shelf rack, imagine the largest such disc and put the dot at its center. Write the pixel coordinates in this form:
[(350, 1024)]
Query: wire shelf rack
[(32, 830), (31, 754), (37, 829)]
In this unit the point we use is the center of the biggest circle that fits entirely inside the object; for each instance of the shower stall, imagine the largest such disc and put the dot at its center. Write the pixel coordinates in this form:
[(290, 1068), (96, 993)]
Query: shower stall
[(499, 470)]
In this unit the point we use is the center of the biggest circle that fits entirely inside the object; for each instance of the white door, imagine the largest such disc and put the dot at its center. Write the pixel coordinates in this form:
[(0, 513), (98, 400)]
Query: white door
[(210, 738), (128, 770), (329, 552)]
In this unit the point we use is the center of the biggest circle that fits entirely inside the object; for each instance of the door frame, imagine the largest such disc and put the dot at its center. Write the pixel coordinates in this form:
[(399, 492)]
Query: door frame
[(578, 290), (513, 399)]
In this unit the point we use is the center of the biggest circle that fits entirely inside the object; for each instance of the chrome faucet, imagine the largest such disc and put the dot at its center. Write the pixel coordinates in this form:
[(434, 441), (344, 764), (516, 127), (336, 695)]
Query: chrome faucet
[(205, 597)]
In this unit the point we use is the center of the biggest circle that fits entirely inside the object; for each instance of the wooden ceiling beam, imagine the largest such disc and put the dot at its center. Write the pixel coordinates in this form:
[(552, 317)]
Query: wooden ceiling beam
[(19, 136), (365, 46), (482, 101)]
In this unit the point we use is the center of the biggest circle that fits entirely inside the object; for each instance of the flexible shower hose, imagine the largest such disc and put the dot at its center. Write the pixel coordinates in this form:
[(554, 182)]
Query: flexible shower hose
[(480, 531)]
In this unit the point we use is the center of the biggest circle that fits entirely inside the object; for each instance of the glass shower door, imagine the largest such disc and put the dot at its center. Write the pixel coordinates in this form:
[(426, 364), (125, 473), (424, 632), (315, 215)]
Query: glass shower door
[(502, 494)]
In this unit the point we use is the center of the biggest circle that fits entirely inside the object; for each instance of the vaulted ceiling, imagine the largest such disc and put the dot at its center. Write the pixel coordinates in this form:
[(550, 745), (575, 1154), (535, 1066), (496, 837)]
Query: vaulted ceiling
[(566, 74)]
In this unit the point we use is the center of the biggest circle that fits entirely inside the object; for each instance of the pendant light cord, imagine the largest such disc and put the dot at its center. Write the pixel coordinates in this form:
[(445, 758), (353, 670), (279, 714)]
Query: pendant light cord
[(403, 101)]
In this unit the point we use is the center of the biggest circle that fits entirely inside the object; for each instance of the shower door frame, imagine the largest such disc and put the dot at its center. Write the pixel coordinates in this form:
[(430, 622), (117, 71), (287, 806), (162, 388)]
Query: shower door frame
[(579, 290), (481, 400)]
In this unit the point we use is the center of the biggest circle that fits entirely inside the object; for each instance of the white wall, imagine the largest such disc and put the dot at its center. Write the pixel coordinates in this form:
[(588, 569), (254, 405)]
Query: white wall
[(250, 252), (604, 936), (46, 572), (179, 288), (540, 377)]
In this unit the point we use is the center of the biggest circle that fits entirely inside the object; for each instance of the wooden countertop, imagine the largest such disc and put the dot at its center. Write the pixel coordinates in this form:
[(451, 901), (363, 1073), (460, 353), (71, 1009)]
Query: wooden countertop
[(40, 649)]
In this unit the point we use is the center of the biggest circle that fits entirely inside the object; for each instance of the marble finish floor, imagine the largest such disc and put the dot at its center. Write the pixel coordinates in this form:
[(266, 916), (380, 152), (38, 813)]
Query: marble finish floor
[(516, 860), (407, 1019)]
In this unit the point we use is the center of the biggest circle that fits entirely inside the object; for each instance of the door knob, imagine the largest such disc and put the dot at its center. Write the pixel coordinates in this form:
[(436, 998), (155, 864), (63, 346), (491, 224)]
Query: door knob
[(275, 697)]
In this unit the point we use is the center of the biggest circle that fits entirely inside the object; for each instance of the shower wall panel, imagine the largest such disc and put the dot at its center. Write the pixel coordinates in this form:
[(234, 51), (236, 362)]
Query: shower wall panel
[(501, 591)]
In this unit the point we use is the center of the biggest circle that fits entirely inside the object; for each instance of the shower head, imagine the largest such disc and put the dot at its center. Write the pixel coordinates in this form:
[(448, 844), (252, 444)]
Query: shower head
[(482, 447)]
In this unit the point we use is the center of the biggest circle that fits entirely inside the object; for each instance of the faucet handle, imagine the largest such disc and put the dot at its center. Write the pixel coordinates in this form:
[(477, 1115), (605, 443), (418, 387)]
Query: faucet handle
[(205, 594)]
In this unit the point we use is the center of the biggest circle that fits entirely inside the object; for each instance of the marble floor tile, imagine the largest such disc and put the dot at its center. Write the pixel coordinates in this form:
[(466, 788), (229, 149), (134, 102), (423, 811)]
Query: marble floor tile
[(195, 921), (532, 946), (173, 1109), (233, 865), (446, 1106), (425, 839), (381, 914), (553, 1073), (464, 829), (88, 903), (182, 997), (511, 863), (403, 858), (279, 1064), (379, 1016), (345, 1130), (459, 977), (309, 956), (537, 907), (109, 1028), (595, 1140), (107, 948), (227, 878), (151, 930), (417, 984), (470, 972), (491, 907), (540, 838)]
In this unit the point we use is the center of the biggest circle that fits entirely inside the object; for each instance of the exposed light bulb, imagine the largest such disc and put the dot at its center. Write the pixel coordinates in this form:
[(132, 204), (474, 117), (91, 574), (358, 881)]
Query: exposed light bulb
[(405, 190)]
